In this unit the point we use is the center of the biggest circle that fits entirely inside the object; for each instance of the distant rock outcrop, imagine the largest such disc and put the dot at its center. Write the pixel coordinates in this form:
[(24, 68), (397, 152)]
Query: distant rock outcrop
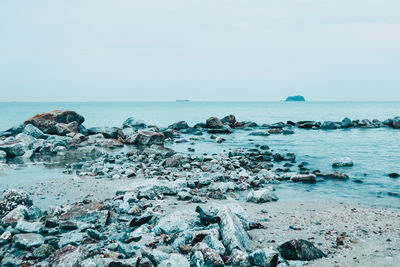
[(295, 98)]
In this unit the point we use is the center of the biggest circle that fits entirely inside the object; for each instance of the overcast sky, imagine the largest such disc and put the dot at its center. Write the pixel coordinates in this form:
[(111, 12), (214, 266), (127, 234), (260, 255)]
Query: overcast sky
[(208, 50)]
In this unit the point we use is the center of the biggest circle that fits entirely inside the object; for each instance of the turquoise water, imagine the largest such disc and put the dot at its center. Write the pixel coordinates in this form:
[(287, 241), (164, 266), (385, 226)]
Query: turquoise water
[(375, 152)]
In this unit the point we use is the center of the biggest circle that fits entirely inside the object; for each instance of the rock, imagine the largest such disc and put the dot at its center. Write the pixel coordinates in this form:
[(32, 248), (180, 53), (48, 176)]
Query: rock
[(43, 251), (16, 147), (107, 132), (175, 260), (66, 128), (222, 130), (240, 258), (275, 131), (329, 125), (299, 249), (184, 195), (177, 222), (261, 196), (197, 259), (71, 238), (230, 120), (3, 155), (12, 198), (393, 175), (347, 123), (29, 227), (33, 131), (26, 241), (233, 234), (396, 123), (68, 256), (266, 257), (287, 131), (46, 121), (259, 134), (154, 255), (146, 138), (305, 178), (17, 214), (211, 257), (215, 244), (213, 122), (206, 219), (336, 175), (134, 124), (173, 161), (342, 162), (180, 125), (295, 98)]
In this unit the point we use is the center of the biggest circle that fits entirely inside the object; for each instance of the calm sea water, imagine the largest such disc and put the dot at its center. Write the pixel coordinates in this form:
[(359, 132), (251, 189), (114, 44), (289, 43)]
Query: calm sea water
[(375, 152)]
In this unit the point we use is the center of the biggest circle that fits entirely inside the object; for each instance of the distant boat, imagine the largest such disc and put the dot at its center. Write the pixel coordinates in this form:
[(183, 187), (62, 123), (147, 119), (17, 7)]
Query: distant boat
[(183, 100)]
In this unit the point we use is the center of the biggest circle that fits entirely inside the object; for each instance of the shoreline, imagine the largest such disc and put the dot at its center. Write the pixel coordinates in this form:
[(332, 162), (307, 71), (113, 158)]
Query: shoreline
[(129, 199)]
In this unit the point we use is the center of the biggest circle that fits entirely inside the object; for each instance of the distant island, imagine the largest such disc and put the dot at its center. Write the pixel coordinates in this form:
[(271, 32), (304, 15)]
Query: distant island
[(295, 98), (183, 100)]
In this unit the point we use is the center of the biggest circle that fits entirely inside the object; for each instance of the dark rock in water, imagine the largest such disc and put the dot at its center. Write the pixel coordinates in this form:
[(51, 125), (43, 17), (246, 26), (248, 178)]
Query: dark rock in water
[(205, 219), (336, 175), (180, 125), (396, 123), (347, 123), (33, 131), (295, 98), (47, 121), (222, 130), (13, 131), (299, 249), (308, 124), (259, 134), (107, 132), (329, 125), (133, 123), (275, 131), (213, 122), (393, 175), (304, 178), (230, 120), (146, 138), (140, 221), (264, 257)]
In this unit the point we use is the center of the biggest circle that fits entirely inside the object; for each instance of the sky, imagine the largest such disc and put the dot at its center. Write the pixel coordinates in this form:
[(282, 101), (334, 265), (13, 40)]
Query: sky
[(219, 50)]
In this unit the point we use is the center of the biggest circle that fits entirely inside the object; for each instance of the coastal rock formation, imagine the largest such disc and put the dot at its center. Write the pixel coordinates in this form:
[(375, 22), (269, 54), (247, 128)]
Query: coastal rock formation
[(295, 98), (47, 121), (261, 196)]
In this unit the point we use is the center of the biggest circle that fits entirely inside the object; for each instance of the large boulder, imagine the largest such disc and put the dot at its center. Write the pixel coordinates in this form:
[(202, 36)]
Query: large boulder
[(213, 122), (347, 123), (146, 138), (266, 257), (233, 234), (47, 121), (107, 132), (230, 120), (26, 241), (299, 249), (32, 131), (180, 125), (329, 125)]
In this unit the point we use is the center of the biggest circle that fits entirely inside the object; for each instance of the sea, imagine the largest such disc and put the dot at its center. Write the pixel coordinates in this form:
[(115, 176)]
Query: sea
[(375, 152)]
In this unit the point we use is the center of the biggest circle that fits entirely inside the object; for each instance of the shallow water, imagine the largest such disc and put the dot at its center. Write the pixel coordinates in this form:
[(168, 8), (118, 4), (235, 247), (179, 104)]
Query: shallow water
[(375, 152)]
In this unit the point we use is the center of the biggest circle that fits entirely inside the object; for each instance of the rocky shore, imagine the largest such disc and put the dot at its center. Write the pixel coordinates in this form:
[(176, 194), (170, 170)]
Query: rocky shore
[(163, 208)]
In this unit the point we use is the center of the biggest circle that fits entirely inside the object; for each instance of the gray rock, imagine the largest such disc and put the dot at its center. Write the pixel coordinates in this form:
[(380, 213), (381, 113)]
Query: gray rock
[(107, 132), (29, 227), (180, 125), (240, 258), (305, 178), (3, 155), (26, 241), (213, 122), (146, 138), (46, 121), (177, 222), (71, 238), (261, 196), (134, 124), (342, 162), (184, 195), (17, 214), (211, 256), (215, 244), (68, 256), (266, 257), (299, 249), (43, 251), (197, 259), (154, 255), (12, 198), (33, 131), (234, 236), (329, 125), (347, 123), (174, 260)]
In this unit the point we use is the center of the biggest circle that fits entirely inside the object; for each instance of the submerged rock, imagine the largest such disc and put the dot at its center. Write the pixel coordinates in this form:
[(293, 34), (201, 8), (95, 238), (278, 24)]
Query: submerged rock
[(299, 249)]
